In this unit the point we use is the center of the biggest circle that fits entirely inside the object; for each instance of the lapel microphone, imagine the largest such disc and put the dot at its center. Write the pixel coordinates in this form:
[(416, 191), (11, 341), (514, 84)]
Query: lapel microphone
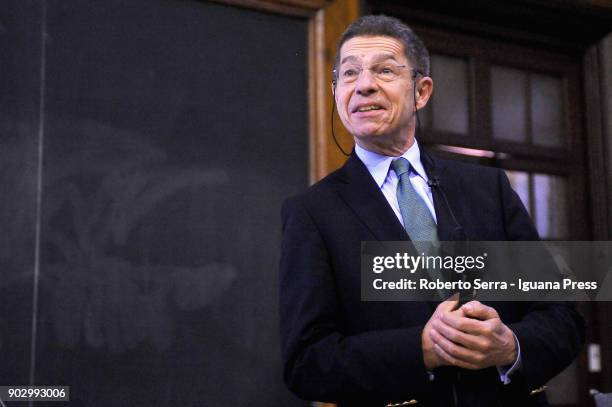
[(433, 182), (458, 232)]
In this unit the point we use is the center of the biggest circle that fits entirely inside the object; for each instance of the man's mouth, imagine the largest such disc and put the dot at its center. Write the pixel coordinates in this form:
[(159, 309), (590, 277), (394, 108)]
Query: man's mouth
[(368, 108)]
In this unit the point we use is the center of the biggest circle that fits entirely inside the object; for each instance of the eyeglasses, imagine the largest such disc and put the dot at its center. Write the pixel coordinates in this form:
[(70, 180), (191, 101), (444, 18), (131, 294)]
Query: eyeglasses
[(385, 71)]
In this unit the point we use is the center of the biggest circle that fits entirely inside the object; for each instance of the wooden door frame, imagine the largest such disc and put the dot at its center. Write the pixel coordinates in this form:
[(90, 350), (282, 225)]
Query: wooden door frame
[(326, 21)]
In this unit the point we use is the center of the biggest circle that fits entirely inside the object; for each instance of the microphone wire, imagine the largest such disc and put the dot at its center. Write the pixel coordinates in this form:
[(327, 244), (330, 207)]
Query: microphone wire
[(332, 129)]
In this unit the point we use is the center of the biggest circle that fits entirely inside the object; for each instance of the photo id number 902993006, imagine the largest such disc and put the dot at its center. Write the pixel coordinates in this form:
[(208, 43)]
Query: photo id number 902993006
[(35, 393)]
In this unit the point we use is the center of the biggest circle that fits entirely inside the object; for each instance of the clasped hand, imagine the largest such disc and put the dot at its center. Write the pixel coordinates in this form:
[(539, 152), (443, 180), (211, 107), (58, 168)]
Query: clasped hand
[(471, 337)]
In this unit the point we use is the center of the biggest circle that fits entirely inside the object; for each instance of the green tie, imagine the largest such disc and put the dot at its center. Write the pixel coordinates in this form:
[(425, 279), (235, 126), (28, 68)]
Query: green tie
[(418, 222)]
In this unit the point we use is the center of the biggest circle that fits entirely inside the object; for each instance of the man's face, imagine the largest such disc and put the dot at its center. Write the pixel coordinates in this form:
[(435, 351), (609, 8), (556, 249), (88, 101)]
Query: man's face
[(371, 108)]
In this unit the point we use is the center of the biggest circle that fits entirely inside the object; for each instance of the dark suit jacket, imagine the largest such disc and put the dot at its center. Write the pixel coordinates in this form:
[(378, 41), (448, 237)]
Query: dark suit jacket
[(339, 349)]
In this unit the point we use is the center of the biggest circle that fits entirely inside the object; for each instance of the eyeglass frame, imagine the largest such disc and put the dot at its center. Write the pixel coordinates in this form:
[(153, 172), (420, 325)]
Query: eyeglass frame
[(335, 73)]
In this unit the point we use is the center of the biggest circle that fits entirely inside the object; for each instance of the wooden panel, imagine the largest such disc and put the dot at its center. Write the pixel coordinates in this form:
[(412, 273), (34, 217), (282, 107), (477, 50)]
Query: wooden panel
[(327, 21), (300, 8), (325, 30), (326, 24)]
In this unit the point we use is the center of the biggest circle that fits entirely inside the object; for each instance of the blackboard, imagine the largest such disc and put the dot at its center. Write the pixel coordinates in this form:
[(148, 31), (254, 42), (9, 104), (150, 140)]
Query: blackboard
[(167, 135)]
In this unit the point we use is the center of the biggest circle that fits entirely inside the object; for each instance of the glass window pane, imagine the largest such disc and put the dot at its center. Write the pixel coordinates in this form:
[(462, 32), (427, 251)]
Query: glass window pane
[(546, 110), (450, 97), (550, 206), (508, 100), (520, 183)]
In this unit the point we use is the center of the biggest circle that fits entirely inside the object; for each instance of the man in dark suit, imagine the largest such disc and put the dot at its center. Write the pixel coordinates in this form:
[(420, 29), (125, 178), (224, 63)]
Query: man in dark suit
[(340, 349)]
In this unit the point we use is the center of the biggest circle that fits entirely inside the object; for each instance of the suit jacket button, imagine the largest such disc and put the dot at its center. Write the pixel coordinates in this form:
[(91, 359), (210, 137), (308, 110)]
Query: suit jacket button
[(538, 390), (403, 403)]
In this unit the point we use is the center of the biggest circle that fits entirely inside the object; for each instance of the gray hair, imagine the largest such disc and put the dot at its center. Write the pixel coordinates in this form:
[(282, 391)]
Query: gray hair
[(385, 26)]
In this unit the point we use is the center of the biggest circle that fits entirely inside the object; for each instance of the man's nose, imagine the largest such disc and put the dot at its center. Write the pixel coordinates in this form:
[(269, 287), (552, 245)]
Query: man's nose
[(366, 83)]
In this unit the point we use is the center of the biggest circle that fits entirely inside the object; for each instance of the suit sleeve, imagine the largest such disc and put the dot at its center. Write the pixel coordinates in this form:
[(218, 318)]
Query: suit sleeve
[(320, 361), (550, 333)]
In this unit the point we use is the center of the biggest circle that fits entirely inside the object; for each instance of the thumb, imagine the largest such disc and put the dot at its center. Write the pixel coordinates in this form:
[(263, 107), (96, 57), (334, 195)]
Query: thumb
[(475, 309), (449, 304)]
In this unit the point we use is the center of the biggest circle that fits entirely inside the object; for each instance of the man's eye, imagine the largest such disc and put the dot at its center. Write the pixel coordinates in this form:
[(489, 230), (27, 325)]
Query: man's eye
[(386, 70), (349, 72)]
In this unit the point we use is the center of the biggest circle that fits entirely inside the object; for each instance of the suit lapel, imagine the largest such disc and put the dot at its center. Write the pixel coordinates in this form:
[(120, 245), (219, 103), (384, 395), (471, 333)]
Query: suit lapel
[(443, 197), (360, 192)]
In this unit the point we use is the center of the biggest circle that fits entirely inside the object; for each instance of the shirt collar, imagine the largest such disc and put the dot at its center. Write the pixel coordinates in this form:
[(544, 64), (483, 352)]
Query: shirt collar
[(378, 164)]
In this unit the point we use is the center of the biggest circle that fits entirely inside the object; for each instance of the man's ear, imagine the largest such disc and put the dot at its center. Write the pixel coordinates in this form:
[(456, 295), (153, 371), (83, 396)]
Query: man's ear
[(424, 89), (333, 87)]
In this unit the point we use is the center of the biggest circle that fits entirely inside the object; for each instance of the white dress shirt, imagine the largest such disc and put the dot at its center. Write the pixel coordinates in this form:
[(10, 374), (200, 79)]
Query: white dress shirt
[(378, 165)]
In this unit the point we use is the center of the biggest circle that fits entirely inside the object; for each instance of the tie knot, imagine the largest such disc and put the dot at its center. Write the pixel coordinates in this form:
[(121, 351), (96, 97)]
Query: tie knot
[(400, 166)]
